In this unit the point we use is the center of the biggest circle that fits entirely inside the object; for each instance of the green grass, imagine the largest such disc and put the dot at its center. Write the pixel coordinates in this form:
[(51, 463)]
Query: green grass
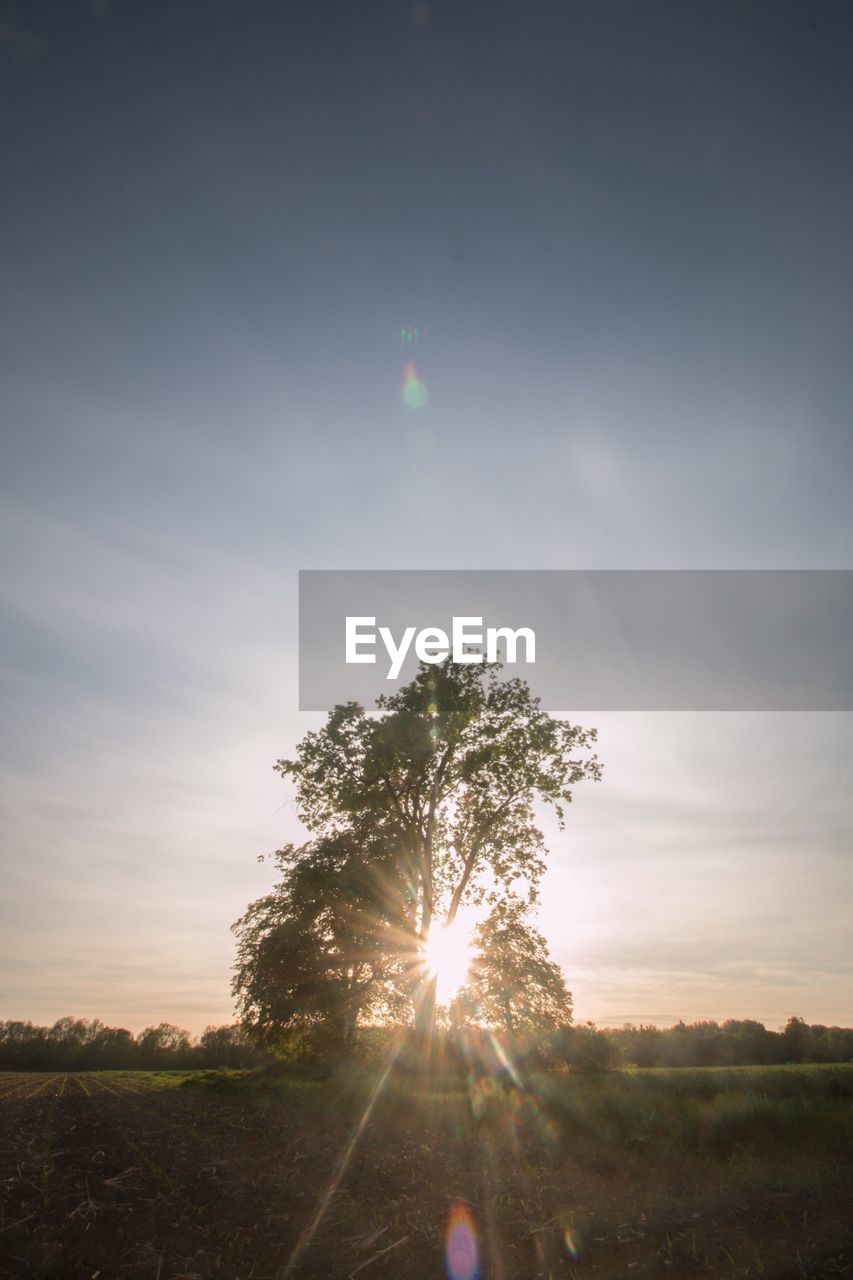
[(146, 1079), (703, 1113), (710, 1113)]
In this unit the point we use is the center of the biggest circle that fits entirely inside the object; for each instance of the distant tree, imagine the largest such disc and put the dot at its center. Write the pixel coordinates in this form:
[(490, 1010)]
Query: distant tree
[(165, 1045), (70, 1033), (797, 1040), (641, 1046), (447, 776), (225, 1046), (705, 1045), (110, 1047), (836, 1044), (23, 1046), (748, 1042), (512, 983), (678, 1047), (586, 1049)]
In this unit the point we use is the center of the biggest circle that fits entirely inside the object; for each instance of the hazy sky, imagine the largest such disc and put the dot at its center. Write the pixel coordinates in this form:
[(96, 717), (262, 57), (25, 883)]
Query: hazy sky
[(623, 233)]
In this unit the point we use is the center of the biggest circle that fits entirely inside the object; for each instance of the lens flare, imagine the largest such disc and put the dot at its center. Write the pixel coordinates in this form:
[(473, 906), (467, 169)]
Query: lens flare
[(460, 1245), (504, 1060), (415, 394), (572, 1243)]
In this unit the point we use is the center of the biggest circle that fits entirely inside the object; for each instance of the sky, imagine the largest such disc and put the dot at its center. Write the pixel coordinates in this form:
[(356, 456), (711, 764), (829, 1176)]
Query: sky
[(621, 231)]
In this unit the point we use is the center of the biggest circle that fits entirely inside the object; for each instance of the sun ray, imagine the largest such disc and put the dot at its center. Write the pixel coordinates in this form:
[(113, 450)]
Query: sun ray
[(335, 1181), (447, 956)]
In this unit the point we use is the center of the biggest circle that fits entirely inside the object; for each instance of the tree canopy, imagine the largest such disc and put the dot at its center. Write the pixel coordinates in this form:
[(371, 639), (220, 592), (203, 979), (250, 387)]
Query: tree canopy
[(513, 985), (324, 946), (414, 812)]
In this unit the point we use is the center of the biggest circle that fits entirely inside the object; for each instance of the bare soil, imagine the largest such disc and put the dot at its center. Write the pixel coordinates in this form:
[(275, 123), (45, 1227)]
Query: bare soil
[(115, 1175)]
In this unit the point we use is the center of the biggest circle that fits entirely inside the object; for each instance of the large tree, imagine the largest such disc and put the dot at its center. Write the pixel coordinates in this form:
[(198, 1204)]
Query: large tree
[(445, 778)]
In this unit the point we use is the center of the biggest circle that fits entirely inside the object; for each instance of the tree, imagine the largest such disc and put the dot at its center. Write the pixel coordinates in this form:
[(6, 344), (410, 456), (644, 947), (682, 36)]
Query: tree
[(512, 984), (444, 779), (322, 948), (797, 1040), (748, 1041), (641, 1045), (586, 1049), (225, 1046), (107, 1047), (164, 1045)]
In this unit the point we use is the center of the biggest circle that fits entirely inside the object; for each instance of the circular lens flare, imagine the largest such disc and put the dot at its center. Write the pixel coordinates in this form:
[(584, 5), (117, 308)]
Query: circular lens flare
[(415, 394), (461, 1253)]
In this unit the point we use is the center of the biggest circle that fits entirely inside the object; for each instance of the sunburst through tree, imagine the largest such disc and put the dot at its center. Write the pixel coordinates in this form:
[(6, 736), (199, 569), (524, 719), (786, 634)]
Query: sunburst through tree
[(419, 816)]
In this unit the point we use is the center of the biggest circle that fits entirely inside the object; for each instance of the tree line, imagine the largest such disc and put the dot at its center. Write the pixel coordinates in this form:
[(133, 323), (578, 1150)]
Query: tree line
[(77, 1044), (733, 1043)]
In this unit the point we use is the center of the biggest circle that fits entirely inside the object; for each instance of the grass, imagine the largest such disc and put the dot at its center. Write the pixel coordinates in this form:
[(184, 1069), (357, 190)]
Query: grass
[(751, 1124), (710, 1112)]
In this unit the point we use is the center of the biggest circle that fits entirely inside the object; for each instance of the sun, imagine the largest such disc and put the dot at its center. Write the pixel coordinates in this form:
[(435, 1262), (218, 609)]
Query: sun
[(447, 957)]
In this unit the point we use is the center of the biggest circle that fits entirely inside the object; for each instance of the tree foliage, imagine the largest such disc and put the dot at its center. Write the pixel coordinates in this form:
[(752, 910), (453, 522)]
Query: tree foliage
[(736, 1042), (513, 985), (443, 782), (76, 1044), (322, 949)]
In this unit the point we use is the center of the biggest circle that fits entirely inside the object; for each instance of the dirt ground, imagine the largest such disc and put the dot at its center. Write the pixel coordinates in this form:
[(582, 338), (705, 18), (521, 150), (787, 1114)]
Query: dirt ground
[(109, 1175)]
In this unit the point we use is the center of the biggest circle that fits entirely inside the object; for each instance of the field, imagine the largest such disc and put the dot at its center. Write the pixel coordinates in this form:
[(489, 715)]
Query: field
[(744, 1172)]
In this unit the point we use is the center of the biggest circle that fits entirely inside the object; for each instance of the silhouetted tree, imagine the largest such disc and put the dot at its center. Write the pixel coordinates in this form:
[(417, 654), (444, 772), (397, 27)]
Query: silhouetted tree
[(165, 1045), (512, 983), (585, 1048), (447, 775), (641, 1046), (225, 1046), (324, 947), (748, 1041), (75, 1044), (798, 1041)]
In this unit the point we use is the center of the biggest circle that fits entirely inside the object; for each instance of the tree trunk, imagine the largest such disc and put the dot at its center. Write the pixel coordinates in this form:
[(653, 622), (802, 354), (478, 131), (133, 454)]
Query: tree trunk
[(425, 1015)]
